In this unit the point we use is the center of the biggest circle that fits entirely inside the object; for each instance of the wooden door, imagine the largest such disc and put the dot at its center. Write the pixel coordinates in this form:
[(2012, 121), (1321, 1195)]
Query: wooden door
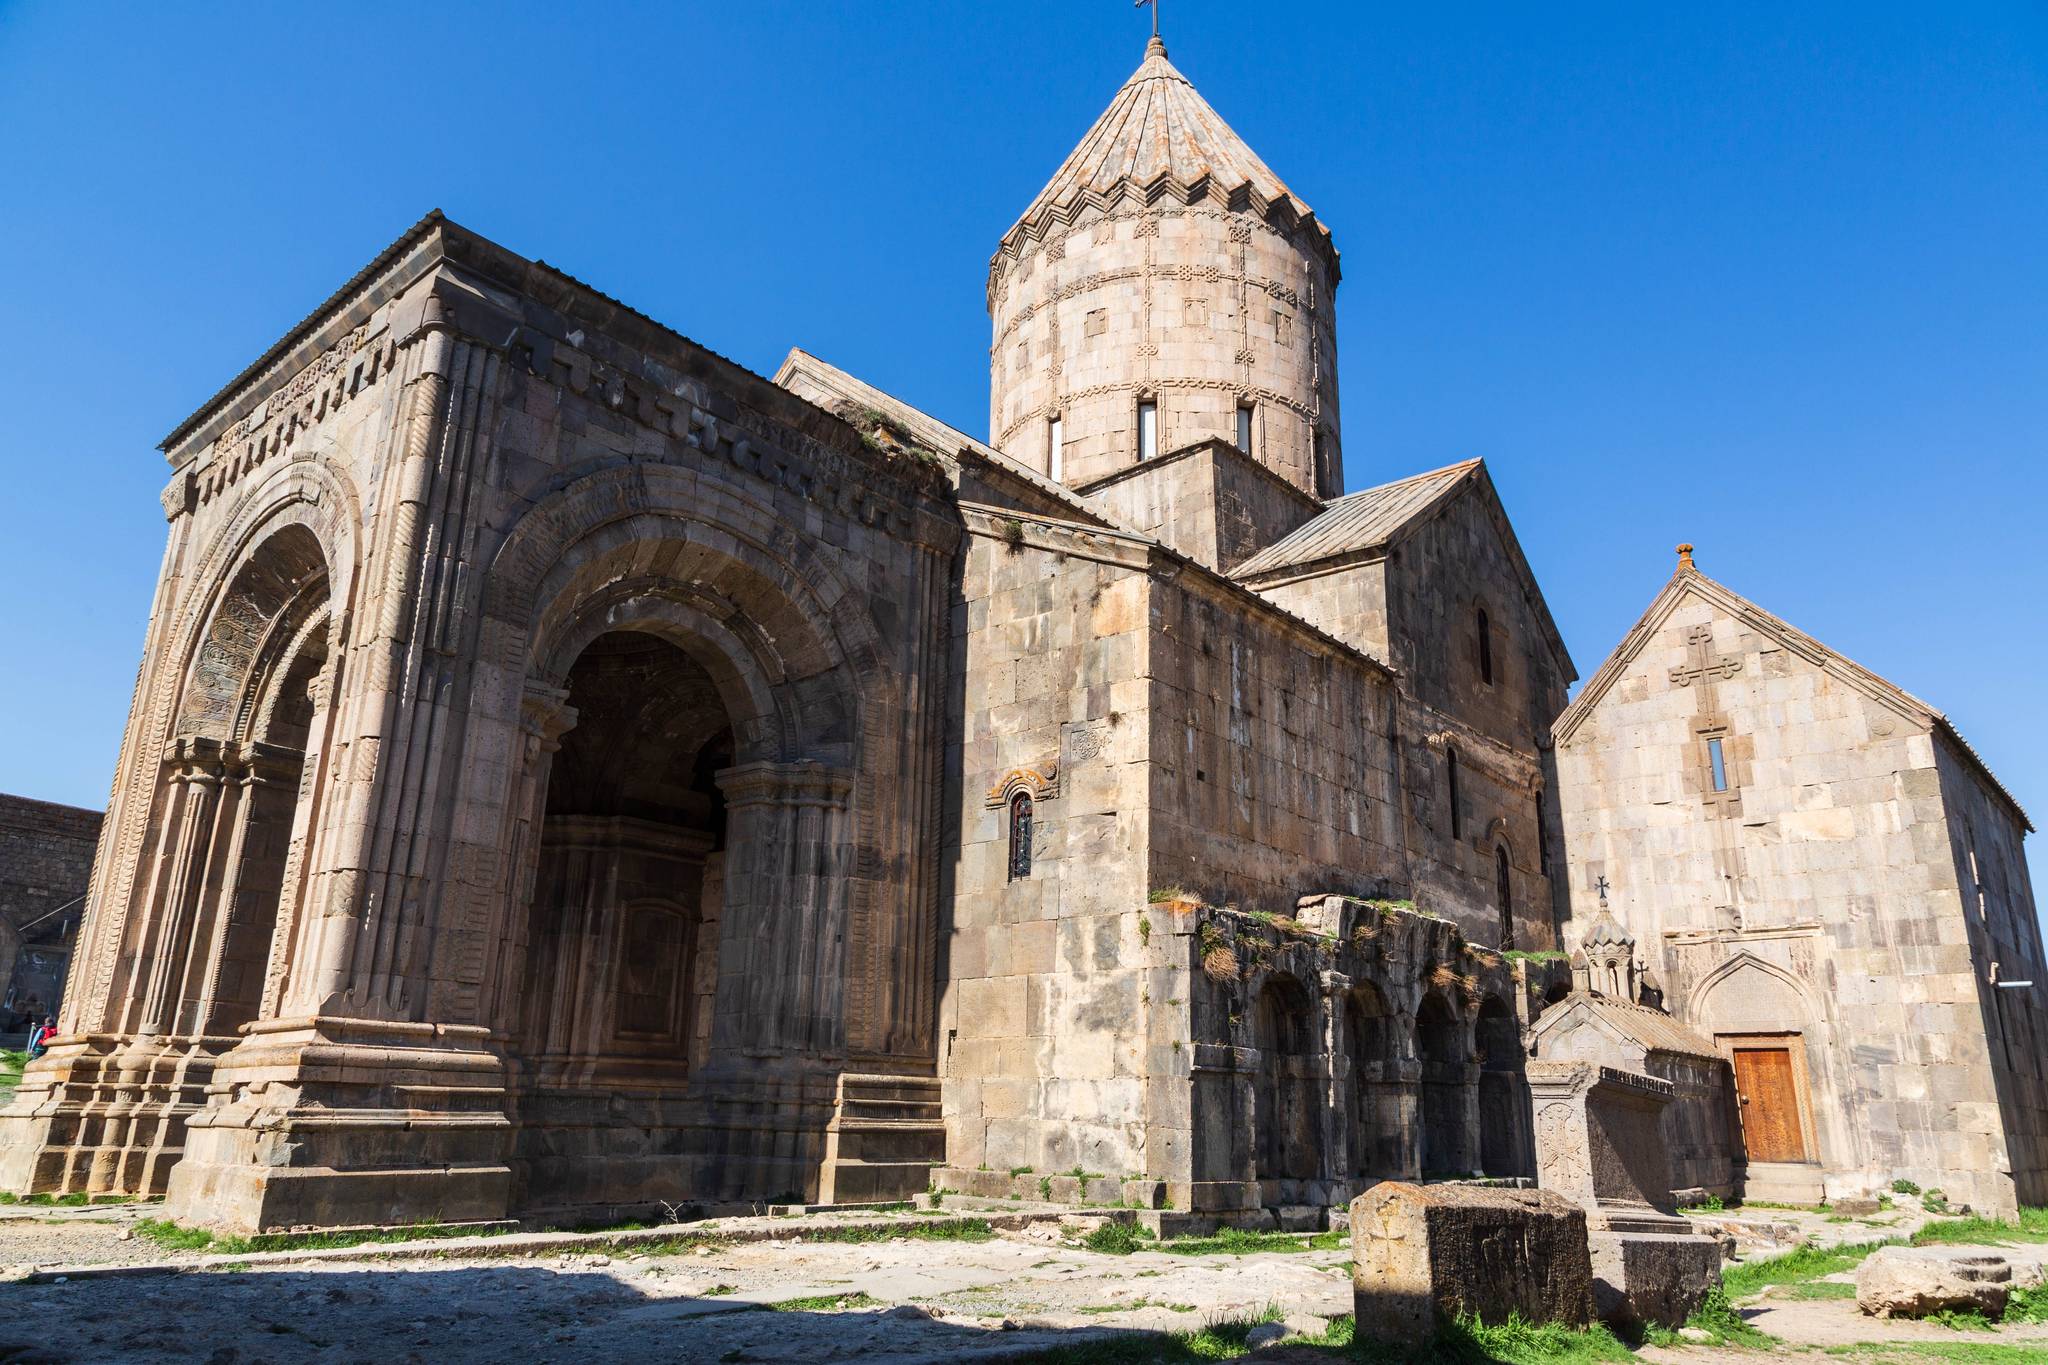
[(1771, 1130)]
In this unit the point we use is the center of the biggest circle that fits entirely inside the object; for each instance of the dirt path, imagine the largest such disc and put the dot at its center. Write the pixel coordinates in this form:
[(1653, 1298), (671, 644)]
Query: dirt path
[(966, 1300)]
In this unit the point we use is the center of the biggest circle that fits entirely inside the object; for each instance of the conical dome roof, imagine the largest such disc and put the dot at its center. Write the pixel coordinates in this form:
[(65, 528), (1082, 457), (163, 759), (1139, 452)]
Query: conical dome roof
[(1606, 933), (1159, 139)]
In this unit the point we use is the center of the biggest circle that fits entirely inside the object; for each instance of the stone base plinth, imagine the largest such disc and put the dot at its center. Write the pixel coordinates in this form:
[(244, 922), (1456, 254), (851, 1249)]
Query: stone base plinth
[(1651, 1277), (329, 1122), (104, 1114)]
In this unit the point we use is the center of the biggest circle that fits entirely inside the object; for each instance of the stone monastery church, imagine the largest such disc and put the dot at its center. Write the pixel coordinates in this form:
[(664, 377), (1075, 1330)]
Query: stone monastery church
[(569, 771)]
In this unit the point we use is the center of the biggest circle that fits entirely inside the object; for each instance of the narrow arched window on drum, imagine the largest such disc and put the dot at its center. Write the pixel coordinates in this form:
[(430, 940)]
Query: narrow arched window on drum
[(1020, 835)]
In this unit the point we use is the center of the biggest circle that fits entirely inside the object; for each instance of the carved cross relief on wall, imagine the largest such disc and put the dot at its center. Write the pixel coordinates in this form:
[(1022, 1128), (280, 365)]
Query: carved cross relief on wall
[(1704, 666)]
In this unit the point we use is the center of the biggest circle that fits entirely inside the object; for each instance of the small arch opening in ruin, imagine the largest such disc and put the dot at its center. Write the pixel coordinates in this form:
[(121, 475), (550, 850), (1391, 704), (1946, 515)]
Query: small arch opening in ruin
[(1506, 1131), (1441, 1048), (1288, 1099), (1380, 1123)]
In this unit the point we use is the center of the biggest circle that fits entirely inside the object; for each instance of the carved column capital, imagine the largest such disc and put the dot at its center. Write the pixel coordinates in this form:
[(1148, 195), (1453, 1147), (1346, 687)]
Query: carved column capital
[(545, 716), (758, 784)]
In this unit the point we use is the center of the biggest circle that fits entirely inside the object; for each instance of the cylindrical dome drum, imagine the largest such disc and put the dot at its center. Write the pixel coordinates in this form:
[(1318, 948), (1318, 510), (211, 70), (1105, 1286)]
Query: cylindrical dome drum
[(1164, 288)]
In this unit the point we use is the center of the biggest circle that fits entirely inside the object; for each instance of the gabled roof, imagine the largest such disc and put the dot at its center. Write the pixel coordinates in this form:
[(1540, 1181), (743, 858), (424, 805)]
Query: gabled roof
[(1357, 522), (822, 383), (1369, 523), (1160, 139), (1652, 1029), (1688, 581)]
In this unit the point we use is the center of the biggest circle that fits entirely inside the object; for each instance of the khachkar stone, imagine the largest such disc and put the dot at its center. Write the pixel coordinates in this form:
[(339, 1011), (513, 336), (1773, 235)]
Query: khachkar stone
[(1165, 265), (1425, 1254), (1599, 1142)]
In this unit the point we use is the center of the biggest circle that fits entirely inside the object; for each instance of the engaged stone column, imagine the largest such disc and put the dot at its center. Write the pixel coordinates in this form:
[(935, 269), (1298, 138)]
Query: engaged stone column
[(782, 938)]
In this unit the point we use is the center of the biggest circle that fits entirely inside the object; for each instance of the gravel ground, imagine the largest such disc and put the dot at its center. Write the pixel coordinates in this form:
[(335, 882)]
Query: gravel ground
[(905, 1300)]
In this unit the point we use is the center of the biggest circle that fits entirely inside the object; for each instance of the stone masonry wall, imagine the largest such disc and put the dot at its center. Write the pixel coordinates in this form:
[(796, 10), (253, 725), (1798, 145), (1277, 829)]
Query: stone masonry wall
[(46, 853), (1985, 833), (1273, 762), (1044, 1015), (1816, 900), (1193, 306)]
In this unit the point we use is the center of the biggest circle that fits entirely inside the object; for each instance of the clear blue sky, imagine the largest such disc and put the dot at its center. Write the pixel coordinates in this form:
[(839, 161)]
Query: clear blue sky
[(1770, 278)]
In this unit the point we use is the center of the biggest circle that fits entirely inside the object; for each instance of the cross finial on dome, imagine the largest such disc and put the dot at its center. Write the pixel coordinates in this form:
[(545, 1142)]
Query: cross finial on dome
[(1155, 46)]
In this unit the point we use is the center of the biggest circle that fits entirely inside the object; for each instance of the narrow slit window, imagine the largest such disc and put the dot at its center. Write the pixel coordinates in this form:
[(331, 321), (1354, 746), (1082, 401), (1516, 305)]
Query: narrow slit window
[(1542, 839), (1504, 893), (1055, 448), (1148, 430), (1244, 427), (1020, 836), (1457, 815), (1717, 764), (1485, 649)]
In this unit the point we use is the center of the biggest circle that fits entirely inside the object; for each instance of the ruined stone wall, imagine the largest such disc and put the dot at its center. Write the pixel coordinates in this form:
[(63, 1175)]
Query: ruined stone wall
[(46, 853), (1814, 902), (1195, 307), (1986, 835), (1273, 762)]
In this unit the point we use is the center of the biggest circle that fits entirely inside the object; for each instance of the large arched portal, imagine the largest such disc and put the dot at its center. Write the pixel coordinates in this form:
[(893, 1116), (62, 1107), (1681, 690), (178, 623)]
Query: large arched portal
[(622, 938)]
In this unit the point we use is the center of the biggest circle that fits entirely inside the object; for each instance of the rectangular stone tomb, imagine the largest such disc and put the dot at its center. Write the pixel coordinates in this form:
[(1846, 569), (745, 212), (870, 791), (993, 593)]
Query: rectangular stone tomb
[(1599, 1141), (1424, 1254)]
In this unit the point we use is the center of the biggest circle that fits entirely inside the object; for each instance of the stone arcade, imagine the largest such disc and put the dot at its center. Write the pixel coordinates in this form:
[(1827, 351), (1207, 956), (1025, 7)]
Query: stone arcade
[(571, 773)]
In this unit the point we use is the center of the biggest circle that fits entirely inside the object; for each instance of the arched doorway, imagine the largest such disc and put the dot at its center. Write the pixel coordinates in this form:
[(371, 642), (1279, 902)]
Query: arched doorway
[(1506, 1130), (1440, 1045), (622, 931), (1379, 1116), (1288, 1105)]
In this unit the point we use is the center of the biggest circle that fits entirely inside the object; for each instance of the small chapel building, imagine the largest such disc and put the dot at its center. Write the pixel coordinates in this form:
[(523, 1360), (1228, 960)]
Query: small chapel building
[(1820, 877)]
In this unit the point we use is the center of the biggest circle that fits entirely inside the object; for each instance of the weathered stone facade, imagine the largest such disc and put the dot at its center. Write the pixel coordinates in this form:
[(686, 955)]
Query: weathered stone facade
[(46, 853), (1828, 883), (530, 796), (569, 772)]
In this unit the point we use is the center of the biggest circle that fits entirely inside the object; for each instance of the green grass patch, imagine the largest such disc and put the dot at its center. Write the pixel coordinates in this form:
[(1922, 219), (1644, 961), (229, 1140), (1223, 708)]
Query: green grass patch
[(960, 1230), (1514, 1342), (1330, 1241), (1794, 1267), (1467, 1343), (76, 1200), (1816, 1289), (2027, 1305), (1134, 1305), (171, 1236), (1962, 1352), (825, 1303), (1718, 1315), (1235, 1242), (178, 1237), (1112, 1238), (2030, 1226)]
